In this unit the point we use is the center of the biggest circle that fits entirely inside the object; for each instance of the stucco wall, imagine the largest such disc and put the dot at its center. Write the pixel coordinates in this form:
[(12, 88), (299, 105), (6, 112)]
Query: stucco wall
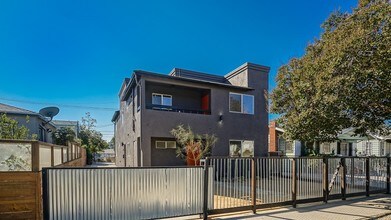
[(235, 126), (126, 146), (33, 125)]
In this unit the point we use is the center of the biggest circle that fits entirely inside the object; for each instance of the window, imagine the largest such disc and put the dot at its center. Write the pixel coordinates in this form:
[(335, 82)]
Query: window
[(42, 135), (344, 149), (241, 148), (326, 148), (165, 144), (161, 99), (382, 150), (241, 103), (368, 148)]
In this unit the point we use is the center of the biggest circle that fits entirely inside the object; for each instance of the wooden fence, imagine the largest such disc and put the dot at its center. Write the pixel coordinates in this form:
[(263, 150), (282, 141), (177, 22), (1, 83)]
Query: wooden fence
[(21, 162)]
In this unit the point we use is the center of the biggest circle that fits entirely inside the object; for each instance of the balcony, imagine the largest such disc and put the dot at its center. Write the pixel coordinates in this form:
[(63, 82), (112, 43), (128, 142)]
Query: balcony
[(176, 98), (177, 109)]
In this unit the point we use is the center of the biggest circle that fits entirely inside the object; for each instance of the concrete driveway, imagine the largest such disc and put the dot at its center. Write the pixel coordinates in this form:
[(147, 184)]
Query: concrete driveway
[(102, 164)]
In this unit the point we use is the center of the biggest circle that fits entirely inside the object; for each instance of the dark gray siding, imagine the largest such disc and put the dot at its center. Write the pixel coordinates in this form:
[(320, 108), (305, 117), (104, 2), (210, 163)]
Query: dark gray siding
[(164, 157), (186, 98)]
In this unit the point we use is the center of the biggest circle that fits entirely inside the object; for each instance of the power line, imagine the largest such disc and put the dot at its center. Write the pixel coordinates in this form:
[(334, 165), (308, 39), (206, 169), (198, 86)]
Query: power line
[(61, 105), (103, 126)]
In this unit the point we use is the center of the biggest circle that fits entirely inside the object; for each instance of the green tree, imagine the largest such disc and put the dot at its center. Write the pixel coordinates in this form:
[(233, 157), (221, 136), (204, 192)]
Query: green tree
[(10, 129), (91, 139), (64, 135), (342, 80)]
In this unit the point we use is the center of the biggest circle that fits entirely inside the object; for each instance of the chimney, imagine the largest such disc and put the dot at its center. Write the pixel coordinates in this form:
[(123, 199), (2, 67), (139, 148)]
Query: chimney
[(249, 75), (273, 138)]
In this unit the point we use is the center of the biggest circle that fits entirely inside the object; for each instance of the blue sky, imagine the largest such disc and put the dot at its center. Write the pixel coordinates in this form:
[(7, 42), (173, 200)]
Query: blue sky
[(79, 52)]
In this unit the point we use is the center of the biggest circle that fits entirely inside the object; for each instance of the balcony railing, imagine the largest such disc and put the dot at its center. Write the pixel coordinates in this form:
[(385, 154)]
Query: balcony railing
[(176, 109)]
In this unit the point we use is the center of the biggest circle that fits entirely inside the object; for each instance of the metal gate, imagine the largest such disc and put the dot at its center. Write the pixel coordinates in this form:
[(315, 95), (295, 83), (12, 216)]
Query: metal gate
[(122, 193)]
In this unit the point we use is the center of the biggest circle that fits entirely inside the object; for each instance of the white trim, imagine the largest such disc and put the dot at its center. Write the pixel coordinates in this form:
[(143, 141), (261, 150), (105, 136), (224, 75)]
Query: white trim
[(165, 144), (156, 142), (241, 103)]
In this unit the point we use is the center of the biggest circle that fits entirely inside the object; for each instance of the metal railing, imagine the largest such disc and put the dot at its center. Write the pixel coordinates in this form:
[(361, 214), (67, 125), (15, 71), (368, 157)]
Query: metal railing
[(177, 109), (260, 182)]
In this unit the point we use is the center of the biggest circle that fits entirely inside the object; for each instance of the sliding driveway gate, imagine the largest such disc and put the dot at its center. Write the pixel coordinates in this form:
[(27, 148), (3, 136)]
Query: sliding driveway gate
[(122, 193), (229, 184)]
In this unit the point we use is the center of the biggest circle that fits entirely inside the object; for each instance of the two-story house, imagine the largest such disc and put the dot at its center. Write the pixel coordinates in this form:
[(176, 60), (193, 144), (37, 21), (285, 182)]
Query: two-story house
[(233, 107), (37, 124)]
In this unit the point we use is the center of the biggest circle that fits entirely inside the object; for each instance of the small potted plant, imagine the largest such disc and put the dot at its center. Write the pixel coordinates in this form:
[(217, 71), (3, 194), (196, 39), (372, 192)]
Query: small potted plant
[(192, 147)]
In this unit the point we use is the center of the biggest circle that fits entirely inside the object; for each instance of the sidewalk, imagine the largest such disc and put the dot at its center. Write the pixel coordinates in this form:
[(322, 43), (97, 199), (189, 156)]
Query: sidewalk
[(373, 207)]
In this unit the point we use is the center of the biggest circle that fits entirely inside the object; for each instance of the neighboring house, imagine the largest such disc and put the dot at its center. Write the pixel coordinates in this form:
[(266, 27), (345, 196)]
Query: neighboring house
[(349, 144), (278, 146), (381, 146), (74, 125), (37, 124), (233, 107)]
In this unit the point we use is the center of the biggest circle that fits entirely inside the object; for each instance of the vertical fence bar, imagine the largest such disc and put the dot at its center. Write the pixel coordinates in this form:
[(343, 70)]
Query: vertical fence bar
[(294, 182), (253, 185), (206, 196), (62, 155), (367, 176), (45, 195), (52, 156), (343, 178), (325, 179), (388, 174)]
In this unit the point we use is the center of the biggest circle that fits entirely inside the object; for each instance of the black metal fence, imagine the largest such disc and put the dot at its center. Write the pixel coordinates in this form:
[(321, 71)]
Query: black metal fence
[(261, 182)]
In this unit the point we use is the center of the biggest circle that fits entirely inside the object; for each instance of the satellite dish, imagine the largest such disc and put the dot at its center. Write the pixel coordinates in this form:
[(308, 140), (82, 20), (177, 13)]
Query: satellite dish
[(49, 112)]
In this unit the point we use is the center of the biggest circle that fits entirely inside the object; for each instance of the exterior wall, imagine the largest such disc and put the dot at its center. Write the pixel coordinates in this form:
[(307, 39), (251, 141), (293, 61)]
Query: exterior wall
[(273, 138), (324, 150), (182, 97), (126, 145), (334, 146), (169, 155), (374, 149), (234, 126)]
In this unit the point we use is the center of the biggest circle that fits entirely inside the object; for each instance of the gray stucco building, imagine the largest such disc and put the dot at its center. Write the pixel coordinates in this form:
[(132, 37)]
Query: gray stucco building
[(36, 123), (233, 107)]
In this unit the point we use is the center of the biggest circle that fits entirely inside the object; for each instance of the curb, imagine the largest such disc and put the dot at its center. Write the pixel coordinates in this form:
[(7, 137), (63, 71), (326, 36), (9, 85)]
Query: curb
[(377, 216)]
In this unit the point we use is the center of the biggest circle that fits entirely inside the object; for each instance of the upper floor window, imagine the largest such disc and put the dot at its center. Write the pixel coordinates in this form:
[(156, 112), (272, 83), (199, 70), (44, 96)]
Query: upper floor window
[(161, 99), (241, 103)]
